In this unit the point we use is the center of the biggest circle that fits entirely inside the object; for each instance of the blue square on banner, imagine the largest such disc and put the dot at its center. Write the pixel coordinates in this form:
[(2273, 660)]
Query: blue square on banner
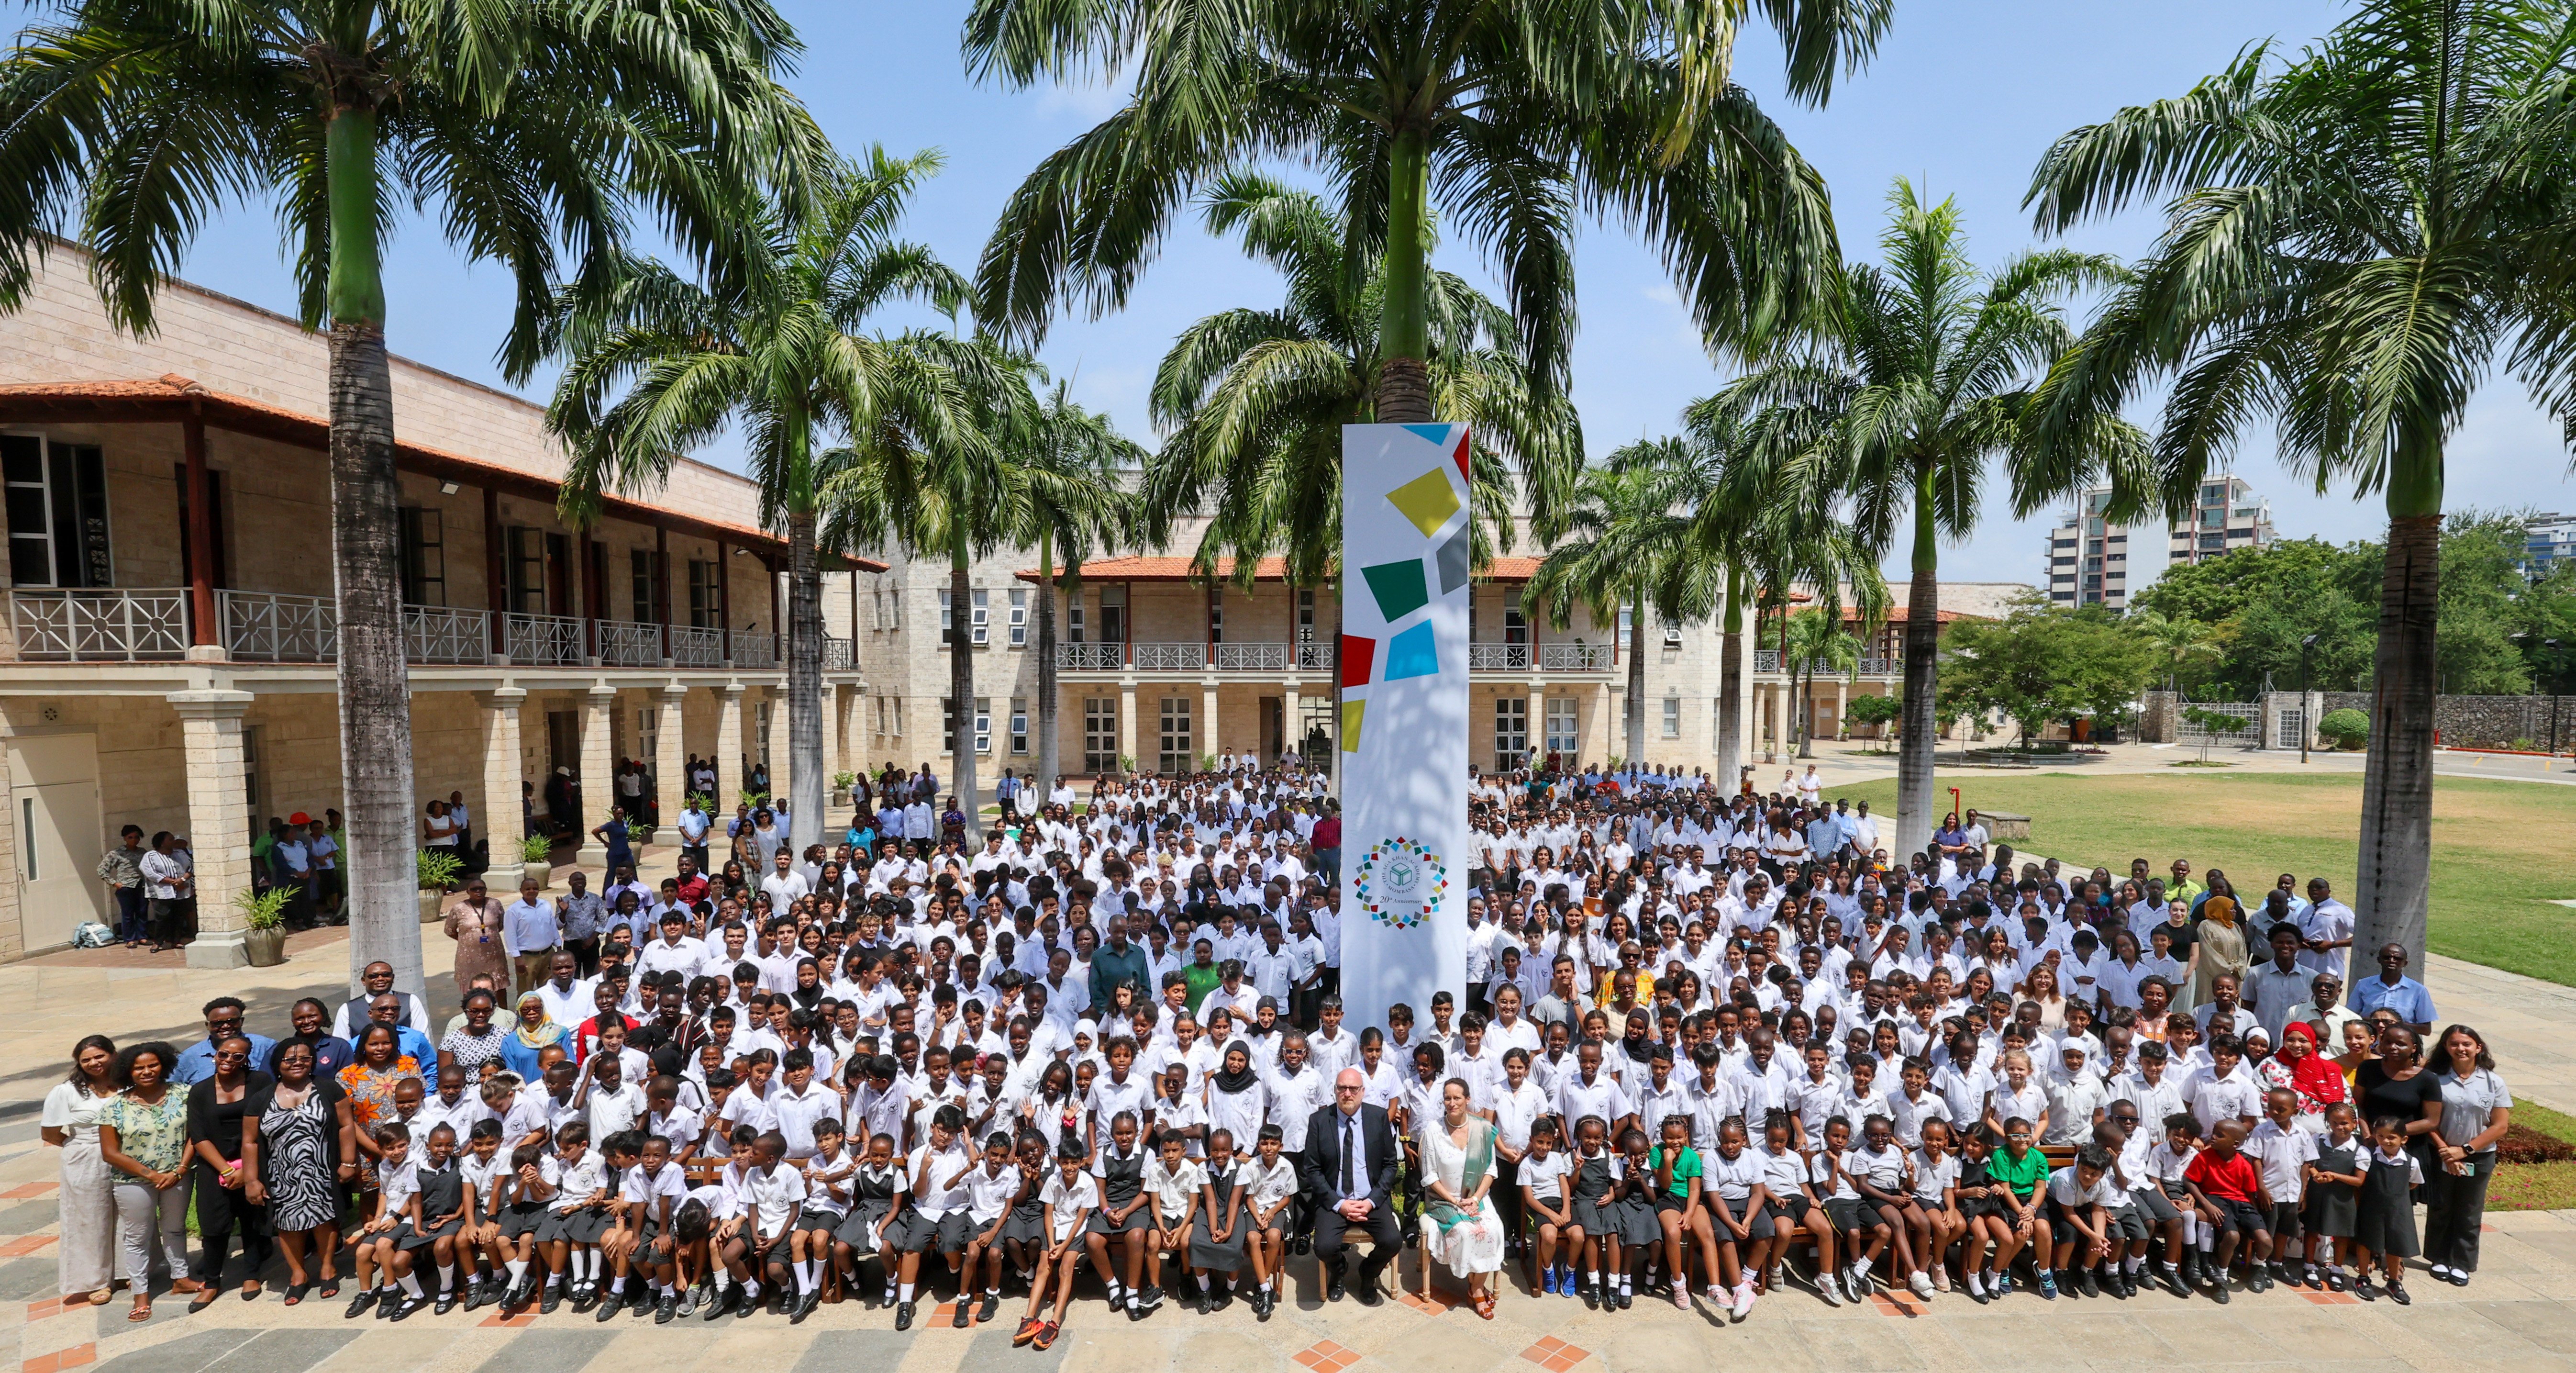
[(1412, 654)]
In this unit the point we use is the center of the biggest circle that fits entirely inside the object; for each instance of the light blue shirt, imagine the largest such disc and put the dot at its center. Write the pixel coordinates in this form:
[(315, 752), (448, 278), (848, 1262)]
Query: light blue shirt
[(2412, 1003)]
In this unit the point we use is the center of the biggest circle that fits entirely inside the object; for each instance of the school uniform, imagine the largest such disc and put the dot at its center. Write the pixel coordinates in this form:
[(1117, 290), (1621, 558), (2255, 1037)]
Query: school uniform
[(441, 1191), (1728, 1184), (2332, 1209), (2283, 1154), (1207, 1252), (1631, 1210), (644, 1193), (827, 1198), (872, 1192), (1025, 1221), (988, 1198), (936, 1220), (771, 1201), (570, 1215), (1066, 1202), (1593, 1178), (1266, 1187), (2384, 1220), (521, 1215), (1121, 1177)]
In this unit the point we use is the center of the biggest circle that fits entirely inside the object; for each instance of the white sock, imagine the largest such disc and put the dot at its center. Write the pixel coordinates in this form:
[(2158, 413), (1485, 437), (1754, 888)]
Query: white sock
[(904, 1293), (1625, 1287), (554, 1279), (1975, 1282), (616, 1286), (751, 1289), (447, 1277), (723, 1279), (1861, 1268), (518, 1269), (2133, 1263), (410, 1284), (1592, 1277)]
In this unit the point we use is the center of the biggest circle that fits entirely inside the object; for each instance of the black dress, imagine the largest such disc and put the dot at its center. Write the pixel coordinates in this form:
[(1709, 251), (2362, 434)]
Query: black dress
[(2331, 1206), (2381, 1095), (1206, 1251), (222, 1210), (442, 1190), (1121, 1180), (2385, 1223)]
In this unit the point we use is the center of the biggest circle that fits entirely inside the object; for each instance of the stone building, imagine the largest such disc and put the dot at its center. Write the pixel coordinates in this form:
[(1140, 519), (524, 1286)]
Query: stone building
[(167, 659)]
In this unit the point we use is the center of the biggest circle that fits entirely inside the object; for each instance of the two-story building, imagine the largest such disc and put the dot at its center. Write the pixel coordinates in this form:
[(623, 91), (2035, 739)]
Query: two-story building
[(167, 656)]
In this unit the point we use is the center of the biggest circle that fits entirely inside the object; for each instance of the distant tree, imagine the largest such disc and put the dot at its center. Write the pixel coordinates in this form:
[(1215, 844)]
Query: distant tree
[(2036, 665), (2214, 723), (1874, 710)]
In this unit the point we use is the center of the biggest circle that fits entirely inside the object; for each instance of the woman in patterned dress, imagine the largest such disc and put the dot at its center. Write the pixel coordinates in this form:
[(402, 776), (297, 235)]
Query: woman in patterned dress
[(369, 1081), (298, 1144), (143, 1135)]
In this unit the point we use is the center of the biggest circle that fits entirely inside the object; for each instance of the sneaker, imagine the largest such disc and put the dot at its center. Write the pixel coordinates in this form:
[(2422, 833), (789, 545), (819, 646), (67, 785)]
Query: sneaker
[(1855, 1284), (1921, 1282), (2048, 1284), (1743, 1304), (2397, 1293), (2085, 1283), (1547, 1283), (1144, 1302), (1681, 1296), (1831, 1290), (965, 1313), (1999, 1283), (666, 1308), (1778, 1277), (2361, 1288), (988, 1308)]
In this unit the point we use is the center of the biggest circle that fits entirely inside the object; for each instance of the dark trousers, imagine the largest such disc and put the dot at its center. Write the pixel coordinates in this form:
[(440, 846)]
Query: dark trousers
[(129, 915), (219, 1215), (585, 955), (2454, 1208), (1333, 1232)]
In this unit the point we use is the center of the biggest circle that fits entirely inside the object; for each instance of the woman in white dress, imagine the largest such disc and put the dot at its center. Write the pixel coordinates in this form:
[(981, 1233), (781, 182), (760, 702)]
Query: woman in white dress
[(86, 1251), (1458, 1163)]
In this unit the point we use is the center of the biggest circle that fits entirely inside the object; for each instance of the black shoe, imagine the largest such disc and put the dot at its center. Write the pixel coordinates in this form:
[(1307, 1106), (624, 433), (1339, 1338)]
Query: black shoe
[(447, 1300), (386, 1302), (991, 1306), (965, 1313), (805, 1306), (2191, 1268), (1591, 1294), (715, 1305), (551, 1301), (2456, 1278), (2084, 1283), (1302, 1244), (1263, 1304), (903, 1315), (2397, 1293), (359, 1304), (2218, 1292), (409, 1307), (1333, 1288), (665, 1308), (2172, 1280), (748, 1307), (1139, 1306), (1369, 1294), (608, 1309)]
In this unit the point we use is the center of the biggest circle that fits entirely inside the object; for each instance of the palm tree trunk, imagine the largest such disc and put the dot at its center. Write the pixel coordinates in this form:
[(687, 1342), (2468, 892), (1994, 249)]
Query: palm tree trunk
[(1637, 686), (961, 685), (1404, 331), (804, 682), (1730, 688), (2394, 879), (1914, 790), (366, 562), (1807, 715), (1044, 781)]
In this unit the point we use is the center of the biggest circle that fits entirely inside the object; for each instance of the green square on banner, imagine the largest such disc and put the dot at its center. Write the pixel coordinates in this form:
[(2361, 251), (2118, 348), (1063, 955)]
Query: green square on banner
[(1400, 588)]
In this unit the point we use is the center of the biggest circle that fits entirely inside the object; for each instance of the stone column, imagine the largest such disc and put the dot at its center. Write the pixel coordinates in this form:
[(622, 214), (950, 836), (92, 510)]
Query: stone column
[(598, 778), (1611, 725), (1206, 734), (210, 735), (1127, 722), (1842, 698), (1292, 725), (1538, 718), (729, 751), (778, 751), (500, 819), (670, 759), (831, 732)]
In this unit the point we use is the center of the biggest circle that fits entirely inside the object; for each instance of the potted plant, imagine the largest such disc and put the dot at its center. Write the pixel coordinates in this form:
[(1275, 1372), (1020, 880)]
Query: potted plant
[(263, 925), (841, 784), (536, 859), (438, 872)]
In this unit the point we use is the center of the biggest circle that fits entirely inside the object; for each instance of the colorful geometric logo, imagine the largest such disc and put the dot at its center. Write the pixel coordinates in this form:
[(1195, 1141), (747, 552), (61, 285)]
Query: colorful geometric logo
[(1352, 713), (1426, 500), (1413, 653), (1399, 588), (1400, 883)]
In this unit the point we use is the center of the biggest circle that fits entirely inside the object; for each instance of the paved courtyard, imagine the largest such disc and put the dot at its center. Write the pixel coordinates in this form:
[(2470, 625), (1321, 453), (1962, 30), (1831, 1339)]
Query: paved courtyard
[(2520, 1314)]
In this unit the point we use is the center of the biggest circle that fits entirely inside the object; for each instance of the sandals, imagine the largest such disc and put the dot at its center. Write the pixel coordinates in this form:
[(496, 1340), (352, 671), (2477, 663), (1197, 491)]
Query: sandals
[(1485, 1304), (295, 1293), (142, 1312), (329, 1289)]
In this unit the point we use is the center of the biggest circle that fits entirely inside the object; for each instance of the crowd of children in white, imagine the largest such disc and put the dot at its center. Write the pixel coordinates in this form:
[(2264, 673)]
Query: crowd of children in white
[(1707, 1044)]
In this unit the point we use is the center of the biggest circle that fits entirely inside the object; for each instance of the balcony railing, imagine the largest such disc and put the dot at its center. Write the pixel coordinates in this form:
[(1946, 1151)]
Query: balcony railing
[(839, 655), (692, 646), (1574, 657), (1766, 660), (436, 634), (629, 643), (1090, 657), (1171, 657), (1498, 657), (104, 625), (1252, 657), (754, 650), (1882, 667), (542, 640), (266, 627), (1314, 657)]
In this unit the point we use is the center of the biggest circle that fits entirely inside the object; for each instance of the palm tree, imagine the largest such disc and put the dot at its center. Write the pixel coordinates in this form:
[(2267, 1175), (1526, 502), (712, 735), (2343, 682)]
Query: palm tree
[(659, 365), (1808, 641), (1253, 400), (532, 129), (1515, 118), (1926, 377), (1622, 537), (2178, 641), (2353, 238), (1077, 467)]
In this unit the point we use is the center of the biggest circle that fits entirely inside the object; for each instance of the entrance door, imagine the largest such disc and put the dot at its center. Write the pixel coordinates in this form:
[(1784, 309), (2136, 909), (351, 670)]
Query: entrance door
[(1273, 710), (53, 780)]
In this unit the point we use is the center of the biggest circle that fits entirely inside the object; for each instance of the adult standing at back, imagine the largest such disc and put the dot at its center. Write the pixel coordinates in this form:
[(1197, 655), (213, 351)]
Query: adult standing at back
[(86, 1252), (530, 934), (1347, 1172)]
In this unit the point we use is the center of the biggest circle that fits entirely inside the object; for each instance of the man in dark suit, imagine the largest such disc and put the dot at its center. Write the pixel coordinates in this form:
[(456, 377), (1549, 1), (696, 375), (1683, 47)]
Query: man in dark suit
[(1347, 1172)]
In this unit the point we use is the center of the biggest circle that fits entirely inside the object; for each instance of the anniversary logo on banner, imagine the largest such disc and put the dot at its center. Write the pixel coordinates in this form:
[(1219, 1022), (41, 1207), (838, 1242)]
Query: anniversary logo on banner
[(1405, 558)]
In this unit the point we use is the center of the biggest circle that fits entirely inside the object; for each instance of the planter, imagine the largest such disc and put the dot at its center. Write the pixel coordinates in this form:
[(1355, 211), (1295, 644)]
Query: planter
[(432, 907), (543, 872), (266, 948)]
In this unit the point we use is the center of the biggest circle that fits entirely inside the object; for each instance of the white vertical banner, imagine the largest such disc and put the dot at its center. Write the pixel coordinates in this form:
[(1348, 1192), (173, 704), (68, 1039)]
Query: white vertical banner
[(1403, 732)]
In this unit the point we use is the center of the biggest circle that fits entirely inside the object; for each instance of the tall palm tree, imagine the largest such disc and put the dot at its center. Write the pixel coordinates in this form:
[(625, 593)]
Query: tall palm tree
[(1252, 401), (659, 365), (1925, 378), (1079, 472), (1810, 641), (1620, 542), (1516, 118), (2353, 240), (536, 131), (2178, 641)]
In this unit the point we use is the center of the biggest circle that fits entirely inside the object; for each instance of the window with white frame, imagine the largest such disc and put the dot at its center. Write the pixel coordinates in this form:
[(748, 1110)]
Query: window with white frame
[(1216, 614), (1099, 734), (648, 731), (1306, 615), (980, 613), (1073, 617), (1564, 734), (1672, 718), (1019, 724), (1019, 617), (1511, 731), (983, 724), (1672, 633), (1175, 754), (947, 619)]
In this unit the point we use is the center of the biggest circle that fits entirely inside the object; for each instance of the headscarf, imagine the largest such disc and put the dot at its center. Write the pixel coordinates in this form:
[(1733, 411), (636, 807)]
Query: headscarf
[(2316, 1078), (2221, 909)]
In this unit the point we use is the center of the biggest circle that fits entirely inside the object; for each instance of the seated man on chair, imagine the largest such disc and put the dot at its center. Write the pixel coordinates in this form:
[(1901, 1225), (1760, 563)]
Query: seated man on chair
[(1347, 1173)]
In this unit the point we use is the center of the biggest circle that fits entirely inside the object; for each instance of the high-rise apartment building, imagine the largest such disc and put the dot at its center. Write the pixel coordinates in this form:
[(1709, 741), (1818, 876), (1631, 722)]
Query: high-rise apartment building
[(2088, 556), (2230, 517), (2548, 541)]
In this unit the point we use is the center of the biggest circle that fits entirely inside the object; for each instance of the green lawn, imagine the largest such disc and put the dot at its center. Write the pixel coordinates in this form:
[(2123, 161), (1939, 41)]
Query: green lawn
[(2502, 851)]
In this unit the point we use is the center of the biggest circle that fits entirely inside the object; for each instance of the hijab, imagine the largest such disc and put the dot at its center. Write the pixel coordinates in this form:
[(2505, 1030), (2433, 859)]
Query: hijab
[(2221, 909), (2316, 1078)]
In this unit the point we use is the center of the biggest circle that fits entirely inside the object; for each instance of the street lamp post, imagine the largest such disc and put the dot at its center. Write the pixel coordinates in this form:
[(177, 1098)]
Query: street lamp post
[(2557, 669), (2307, 726)]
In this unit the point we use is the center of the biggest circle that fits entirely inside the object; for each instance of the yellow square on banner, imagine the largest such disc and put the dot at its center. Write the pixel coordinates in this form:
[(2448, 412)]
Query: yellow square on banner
[(1351, 712), (1426, 500)]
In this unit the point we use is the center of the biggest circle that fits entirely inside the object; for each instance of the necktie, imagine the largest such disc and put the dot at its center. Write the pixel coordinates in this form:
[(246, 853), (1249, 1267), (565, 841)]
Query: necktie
[(1350, 1146)]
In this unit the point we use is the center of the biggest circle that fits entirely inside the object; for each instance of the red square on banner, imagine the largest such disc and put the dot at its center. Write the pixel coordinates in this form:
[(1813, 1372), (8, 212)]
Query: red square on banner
[(1359, 656)]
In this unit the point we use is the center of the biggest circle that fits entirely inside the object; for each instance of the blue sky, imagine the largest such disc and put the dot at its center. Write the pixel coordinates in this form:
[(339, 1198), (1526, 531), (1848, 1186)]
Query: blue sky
[(1963, 98)]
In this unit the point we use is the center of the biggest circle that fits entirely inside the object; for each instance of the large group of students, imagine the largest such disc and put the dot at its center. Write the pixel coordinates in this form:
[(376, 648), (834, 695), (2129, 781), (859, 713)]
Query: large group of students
[(1708, 1047)]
